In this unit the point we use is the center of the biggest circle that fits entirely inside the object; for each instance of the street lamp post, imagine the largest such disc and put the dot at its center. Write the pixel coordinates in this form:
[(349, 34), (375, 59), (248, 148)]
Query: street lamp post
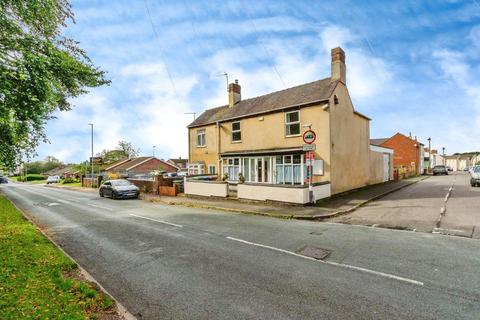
[(443, 153), (154, 151), (91, 158), (429, 154)]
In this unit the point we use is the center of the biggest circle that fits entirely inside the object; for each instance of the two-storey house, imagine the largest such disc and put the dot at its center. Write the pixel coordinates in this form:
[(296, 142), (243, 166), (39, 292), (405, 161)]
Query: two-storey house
[(259, 140)]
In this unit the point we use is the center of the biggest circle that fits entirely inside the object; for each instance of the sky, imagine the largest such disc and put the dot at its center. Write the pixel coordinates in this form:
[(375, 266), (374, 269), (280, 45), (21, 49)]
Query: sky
[(412, 66)]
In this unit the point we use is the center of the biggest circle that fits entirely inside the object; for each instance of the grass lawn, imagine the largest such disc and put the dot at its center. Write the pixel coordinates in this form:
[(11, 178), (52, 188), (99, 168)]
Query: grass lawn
[(37, 281)]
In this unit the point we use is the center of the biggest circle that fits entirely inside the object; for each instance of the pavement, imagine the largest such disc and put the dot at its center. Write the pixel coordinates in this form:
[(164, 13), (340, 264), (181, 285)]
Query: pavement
[(325, 209), (175, 262), (440, 204)]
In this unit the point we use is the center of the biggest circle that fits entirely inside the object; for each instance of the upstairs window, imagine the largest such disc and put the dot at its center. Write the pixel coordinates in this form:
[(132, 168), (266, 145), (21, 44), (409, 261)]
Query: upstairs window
[(292, 123), (201, 138), (236, 132)]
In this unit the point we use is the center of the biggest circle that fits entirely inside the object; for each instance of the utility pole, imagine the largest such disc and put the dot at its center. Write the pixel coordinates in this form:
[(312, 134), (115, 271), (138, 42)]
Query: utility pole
[(443, 152), (429, 154), (154, 151), (91, 159)]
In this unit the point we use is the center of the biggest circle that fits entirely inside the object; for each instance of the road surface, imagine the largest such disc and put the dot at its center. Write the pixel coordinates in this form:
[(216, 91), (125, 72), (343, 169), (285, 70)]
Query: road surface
[(444, 204), (168, 262)]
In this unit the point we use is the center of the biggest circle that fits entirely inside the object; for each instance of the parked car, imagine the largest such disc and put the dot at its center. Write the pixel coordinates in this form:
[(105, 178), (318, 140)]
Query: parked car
[(119, 188), (449, 168), (472, 169), (440, 170), (475, 179), (3, 179), (53, 179)]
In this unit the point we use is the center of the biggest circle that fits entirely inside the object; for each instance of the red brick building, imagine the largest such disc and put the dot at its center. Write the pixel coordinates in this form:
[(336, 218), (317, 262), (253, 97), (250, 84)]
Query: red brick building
[(138, 166), (408, 154)]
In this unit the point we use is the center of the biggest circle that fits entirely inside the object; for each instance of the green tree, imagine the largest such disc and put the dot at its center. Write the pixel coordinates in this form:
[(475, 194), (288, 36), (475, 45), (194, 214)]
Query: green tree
[(128, 149), (110, 156), (40, 69)]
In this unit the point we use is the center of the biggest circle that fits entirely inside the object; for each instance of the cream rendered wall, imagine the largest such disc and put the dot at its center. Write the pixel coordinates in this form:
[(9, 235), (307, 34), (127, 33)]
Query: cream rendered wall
[(350, 141), (207, 154), (267, 131), (281, 194), (206, 188)]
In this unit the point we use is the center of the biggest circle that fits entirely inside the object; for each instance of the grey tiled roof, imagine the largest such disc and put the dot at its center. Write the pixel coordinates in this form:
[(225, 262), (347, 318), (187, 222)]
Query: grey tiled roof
[(378, 142), (291, 97)]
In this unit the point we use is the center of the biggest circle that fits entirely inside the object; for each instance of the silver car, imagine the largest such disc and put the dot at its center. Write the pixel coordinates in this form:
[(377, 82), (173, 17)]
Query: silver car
[(118, 188)]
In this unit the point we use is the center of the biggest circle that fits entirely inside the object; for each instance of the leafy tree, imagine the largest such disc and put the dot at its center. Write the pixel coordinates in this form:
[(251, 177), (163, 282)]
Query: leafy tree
[(110, 156), (40, 69), (128, 149)]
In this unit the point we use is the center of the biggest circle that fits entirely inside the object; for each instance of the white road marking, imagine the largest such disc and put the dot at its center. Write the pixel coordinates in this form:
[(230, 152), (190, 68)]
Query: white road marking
[(341, 265), (443, 210), (51, 204), (159, 221)]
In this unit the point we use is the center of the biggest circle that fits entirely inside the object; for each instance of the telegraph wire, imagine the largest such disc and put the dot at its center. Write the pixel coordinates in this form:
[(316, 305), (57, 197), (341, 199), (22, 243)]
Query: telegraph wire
[(162, 56), (263, 45)]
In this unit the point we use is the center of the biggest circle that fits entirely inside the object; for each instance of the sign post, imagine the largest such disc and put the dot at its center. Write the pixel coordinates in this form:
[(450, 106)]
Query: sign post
[(309, 138)]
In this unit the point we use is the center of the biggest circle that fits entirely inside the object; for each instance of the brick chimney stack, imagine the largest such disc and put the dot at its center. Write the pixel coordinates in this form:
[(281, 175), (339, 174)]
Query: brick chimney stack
[(339, 70), (234, 93)]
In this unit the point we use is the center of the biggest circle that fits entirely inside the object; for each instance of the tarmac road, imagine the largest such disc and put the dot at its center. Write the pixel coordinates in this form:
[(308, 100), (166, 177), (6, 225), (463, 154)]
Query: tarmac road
[(168, 262), (444, 204)]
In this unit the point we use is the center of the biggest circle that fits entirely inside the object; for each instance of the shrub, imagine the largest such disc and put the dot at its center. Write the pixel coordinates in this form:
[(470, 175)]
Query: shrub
[(31, 177), (70, 180)]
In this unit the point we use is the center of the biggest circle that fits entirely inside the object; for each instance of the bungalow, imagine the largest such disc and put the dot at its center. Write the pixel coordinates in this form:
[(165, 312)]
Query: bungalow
[(260, 146), (138, 166)]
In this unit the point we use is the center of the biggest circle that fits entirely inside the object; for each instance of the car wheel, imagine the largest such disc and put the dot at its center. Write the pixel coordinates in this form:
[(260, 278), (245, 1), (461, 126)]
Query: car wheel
[(101, 194), (114, 196)]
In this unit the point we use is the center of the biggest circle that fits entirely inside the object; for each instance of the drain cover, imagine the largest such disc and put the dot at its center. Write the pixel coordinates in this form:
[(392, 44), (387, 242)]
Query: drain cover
[(314, 252)]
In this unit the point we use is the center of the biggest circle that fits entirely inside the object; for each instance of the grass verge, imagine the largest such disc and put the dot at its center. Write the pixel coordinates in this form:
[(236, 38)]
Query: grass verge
[(37, 281)]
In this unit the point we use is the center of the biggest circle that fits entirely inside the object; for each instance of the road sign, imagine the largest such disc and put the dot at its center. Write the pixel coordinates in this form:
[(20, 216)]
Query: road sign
[(96, 160), (309, 147), (309, 137)]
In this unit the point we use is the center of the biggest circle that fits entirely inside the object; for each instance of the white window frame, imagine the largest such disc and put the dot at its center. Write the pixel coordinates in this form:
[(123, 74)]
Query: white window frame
[(287, 124), (195, 168), (200, 133), (235, 131)]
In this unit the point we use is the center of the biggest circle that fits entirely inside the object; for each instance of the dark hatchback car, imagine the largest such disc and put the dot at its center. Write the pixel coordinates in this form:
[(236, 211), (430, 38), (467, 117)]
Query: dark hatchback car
[(3, 179), (440, 170), (119, 189)]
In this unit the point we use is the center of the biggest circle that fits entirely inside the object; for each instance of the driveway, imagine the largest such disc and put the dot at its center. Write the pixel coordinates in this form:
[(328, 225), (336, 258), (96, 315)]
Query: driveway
[(169, 262), (422, 207)]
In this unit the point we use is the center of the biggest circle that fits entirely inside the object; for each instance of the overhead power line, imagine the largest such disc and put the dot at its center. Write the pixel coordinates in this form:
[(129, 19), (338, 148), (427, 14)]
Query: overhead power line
[(157, 38), (267, 53)]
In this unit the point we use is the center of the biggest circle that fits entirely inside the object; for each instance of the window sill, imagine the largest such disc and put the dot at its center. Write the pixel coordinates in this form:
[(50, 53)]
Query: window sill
[(238, 141), (201, 146), (293, 135)]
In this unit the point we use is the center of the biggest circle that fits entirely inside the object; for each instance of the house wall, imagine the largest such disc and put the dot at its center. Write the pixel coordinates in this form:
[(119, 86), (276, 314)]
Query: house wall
[(406, 154), (271, 128), (377, 166), (350, 141), (208, 154)]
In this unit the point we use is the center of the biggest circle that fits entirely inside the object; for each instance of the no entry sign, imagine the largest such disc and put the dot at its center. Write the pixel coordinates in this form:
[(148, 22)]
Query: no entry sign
[(309, 137)]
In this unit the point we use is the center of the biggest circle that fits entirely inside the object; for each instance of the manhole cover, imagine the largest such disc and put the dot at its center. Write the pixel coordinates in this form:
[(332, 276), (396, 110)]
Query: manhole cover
[(314, 252)]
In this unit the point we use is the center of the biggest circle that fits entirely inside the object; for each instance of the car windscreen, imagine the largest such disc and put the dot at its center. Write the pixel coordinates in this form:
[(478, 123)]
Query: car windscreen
[(476, 170), (119, 183)]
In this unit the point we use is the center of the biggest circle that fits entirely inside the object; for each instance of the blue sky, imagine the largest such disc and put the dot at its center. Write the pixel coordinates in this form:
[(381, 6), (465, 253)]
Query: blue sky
[(412, 66)]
